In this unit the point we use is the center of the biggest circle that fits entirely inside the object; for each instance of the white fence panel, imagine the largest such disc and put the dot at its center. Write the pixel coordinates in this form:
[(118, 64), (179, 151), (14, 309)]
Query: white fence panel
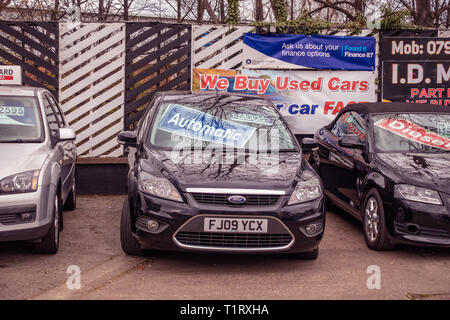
[(217, 46), (91, 85)]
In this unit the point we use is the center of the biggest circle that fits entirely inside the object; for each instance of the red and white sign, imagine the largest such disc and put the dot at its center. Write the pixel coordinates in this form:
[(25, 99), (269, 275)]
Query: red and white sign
[(308, 100), (11, 75), (413, 132)]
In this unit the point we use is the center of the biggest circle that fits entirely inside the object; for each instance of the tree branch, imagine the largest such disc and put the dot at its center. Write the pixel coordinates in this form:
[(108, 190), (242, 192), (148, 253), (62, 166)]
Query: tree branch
[(327, 4)]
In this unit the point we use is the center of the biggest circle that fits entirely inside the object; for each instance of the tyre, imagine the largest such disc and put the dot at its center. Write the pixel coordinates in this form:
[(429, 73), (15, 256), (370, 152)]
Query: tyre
[(374, 222), (50, 243), (71, 201), (129, 243), (309, 255)]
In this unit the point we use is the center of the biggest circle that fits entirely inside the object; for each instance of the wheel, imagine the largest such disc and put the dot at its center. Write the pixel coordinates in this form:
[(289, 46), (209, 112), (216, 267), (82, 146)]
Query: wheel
[(309, 255), (50, 243), (71, 201), (374, 222), (129, 243)]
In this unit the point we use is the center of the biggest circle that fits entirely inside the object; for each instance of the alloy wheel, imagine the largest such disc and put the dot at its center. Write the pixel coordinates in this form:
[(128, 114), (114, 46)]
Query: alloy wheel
[(372, 219)]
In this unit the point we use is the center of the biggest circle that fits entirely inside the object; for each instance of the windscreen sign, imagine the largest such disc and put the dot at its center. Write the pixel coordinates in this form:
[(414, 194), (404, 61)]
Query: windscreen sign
[(307, 100), (287, 51), (414, 132), (199, 125), (416, 70)]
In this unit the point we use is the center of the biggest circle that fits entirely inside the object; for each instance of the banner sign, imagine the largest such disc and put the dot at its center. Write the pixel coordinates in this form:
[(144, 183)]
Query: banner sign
[(195, 124), (308, 100), (416, 70), (288, 51)]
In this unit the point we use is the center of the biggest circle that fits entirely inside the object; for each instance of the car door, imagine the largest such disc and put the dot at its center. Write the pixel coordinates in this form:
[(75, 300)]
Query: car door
[(68, 148), (341, 167)]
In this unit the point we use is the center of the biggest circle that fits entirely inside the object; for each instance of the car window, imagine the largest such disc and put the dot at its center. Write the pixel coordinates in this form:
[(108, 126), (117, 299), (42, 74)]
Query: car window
[(350, 123), (414, 132), (52, 121), (58, 112), (20, 119), (230, 121)]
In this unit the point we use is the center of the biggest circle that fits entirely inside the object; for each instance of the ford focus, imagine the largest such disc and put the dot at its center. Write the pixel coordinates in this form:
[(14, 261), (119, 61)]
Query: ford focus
[(219, 172)]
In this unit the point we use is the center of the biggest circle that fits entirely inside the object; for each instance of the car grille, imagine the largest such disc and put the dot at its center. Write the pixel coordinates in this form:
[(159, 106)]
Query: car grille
[(233, 240), (8, 219), (256, 200)]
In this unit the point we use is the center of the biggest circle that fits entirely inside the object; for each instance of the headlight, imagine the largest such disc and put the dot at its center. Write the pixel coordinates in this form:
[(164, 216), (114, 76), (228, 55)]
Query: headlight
[(21, 182), (414, 193), (307, 189), (159, 187)]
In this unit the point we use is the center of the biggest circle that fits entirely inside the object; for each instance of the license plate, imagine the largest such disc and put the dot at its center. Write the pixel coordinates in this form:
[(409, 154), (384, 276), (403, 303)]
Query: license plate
[(244, 225)]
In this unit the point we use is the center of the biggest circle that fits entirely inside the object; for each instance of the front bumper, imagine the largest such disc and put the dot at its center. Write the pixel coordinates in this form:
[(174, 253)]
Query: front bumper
[(180, 222), (13, 227), (416, 223)]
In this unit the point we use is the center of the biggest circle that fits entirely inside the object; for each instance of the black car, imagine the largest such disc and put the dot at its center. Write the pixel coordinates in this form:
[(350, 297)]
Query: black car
[(219, 172), (388, 164)]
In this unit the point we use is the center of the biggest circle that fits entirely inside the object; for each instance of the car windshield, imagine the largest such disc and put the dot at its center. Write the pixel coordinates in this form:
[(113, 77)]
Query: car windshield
[(19, 119), (412, 132), (220, 122)]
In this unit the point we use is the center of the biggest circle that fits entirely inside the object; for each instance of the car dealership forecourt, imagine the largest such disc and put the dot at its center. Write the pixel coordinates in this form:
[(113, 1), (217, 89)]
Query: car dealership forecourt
[(302, 108)]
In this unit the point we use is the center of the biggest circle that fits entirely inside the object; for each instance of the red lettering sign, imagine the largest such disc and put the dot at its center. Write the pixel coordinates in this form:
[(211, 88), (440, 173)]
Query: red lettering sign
[(414, 133)]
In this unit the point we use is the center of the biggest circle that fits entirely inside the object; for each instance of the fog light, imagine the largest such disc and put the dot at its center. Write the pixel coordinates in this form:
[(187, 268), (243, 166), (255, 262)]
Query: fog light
[(310, 229), (25, 216), (313, 228), (153, 225)]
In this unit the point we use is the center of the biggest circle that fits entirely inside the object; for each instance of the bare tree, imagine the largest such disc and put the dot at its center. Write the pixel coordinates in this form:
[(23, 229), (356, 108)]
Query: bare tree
[(351, 9), (259, 10), (428, 13)]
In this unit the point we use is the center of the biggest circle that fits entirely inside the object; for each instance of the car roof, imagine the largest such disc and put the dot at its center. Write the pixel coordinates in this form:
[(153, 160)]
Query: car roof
[(18, 90), (390, 107), (397, 107), (201, 95)]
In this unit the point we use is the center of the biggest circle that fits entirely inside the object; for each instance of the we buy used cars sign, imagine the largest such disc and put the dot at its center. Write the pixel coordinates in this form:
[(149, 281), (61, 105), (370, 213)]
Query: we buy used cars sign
[(307, 100)]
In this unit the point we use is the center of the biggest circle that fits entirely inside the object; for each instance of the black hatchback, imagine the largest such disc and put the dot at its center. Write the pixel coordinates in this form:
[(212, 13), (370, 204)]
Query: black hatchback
[(388, 164), (219, 172)]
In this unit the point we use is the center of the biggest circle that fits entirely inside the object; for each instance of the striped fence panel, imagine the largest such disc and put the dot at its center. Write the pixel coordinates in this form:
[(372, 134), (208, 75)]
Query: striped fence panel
[(34, 47), (92, 82), (217, 46), (158, 59)]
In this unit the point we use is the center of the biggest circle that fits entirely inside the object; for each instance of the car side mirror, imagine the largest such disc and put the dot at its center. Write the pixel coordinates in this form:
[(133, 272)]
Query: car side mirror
[(351, 141), (66, 134), (309, 145), (127, 138)]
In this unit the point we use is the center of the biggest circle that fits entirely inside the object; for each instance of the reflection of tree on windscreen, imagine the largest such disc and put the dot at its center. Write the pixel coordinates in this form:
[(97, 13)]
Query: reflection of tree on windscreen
[(389, 141)]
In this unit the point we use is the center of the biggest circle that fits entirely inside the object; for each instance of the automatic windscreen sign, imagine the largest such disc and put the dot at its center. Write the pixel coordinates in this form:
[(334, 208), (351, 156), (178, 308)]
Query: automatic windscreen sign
[(187, 122), (416, 70)]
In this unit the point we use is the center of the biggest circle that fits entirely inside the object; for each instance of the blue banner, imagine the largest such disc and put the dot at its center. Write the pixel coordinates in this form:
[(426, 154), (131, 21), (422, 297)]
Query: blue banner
[(199, 125), (287, 51)]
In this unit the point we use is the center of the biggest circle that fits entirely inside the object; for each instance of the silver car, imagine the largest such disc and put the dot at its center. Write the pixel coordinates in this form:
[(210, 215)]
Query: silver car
[(37, 167)]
